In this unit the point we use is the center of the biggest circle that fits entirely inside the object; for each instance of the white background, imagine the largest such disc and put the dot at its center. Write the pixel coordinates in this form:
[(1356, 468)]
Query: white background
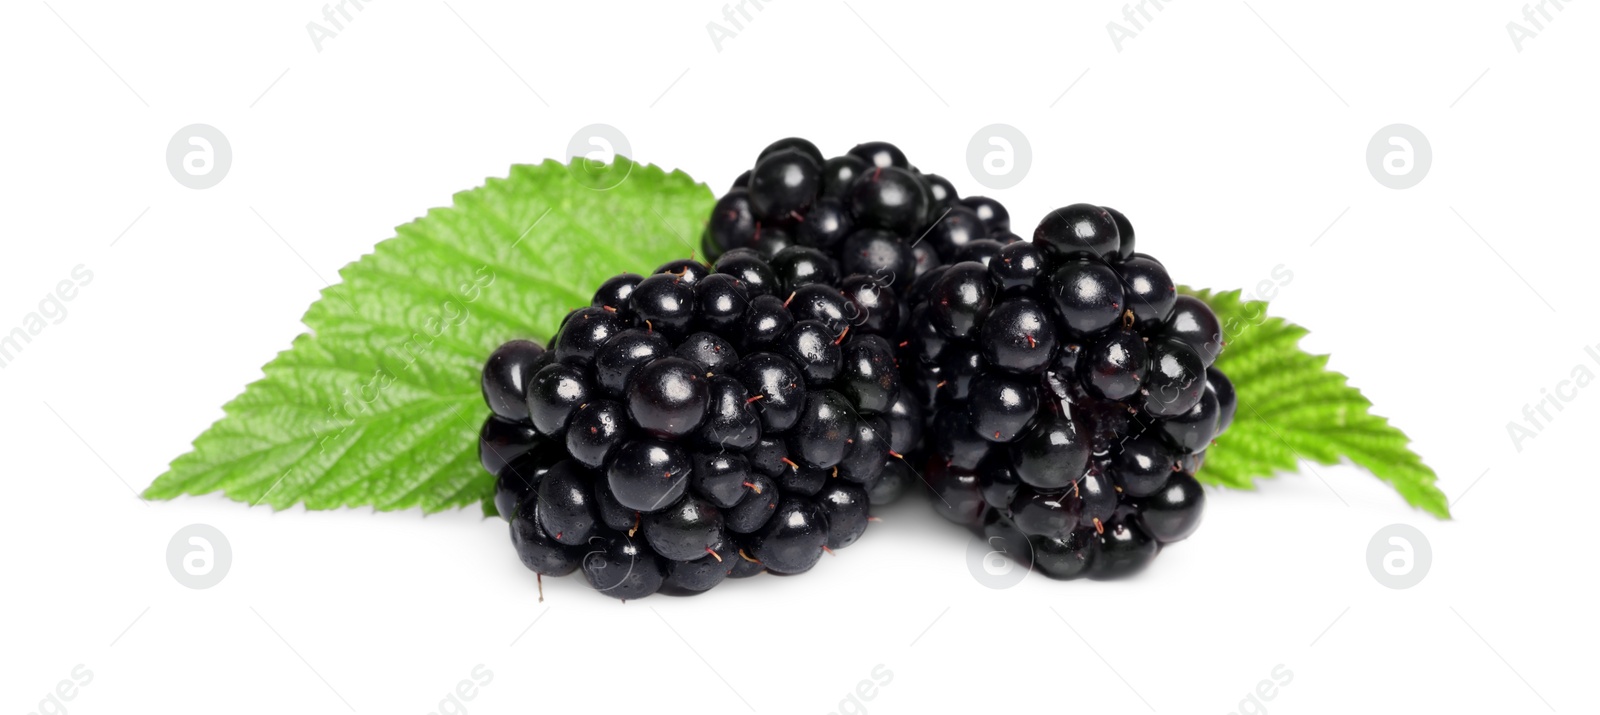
[(1234, 135)]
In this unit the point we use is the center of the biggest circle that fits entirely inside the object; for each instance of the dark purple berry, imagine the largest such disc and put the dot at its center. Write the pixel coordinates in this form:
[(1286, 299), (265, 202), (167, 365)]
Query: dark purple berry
[(732, 225), (1019, 336), (956, 494), (983, 250), (664, 304), (1002, 407), (596, 429), (731, 420), (1088, 295), (796, 266), (805, 481), (822, 303), (776, 385), (1193, 322), (668, 398), (685, 530), (585, 331), (941, 193), (958, 365), (623, 353), (1065, 557), (824, 225), (991, 212), (1125, 245), (814, 349), (614, 293), (782, 184), (821, 435), (756, 508), (1051, 455), (1176, 379), (998, 481), (646, 475), (506, 376), (880, 154), (1227, 400), (960, 300), (765, 320), (868, 374), (895, 481), (958, 227), (753, 273), (688, 270), (689, 578), (845, 506), (878, 254), (720, 477), (567, 508), (537, 550), (889, 198), (955, 439), (1173, 512), (868, 448), (709, 351), (613, 514), (556, 391), (873, 306), (840, 172), (1113, 364), (769, 455), (923, 259), (622, 566), (1142, 465), (1193, 431), (720, 303), (905, 423), (1148, 289), (501, 441), (1122, 549), (798, 144), (792, 540), (1076, 231)]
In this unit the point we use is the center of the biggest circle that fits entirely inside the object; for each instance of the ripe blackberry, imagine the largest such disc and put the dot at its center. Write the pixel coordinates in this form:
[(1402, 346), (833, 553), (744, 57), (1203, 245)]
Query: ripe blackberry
[(691, 425), (869, 210), (1073, 390)]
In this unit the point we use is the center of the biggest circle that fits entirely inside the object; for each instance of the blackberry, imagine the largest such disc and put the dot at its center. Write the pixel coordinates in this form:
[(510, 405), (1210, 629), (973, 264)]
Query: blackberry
[(869, 210), (1073, 389), (691, 425)]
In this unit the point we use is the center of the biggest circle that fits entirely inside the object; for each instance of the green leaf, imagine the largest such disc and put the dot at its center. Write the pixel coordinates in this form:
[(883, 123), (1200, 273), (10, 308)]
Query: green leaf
[(1292, 408), (378, 404)]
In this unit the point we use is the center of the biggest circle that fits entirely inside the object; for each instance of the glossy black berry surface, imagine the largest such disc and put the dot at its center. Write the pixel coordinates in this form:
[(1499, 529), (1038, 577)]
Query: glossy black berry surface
[(1069, 389), (793, 537), (1077, 231), (880, 154), (506, 376), (667, 398), (889, 198), (782, 183)]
